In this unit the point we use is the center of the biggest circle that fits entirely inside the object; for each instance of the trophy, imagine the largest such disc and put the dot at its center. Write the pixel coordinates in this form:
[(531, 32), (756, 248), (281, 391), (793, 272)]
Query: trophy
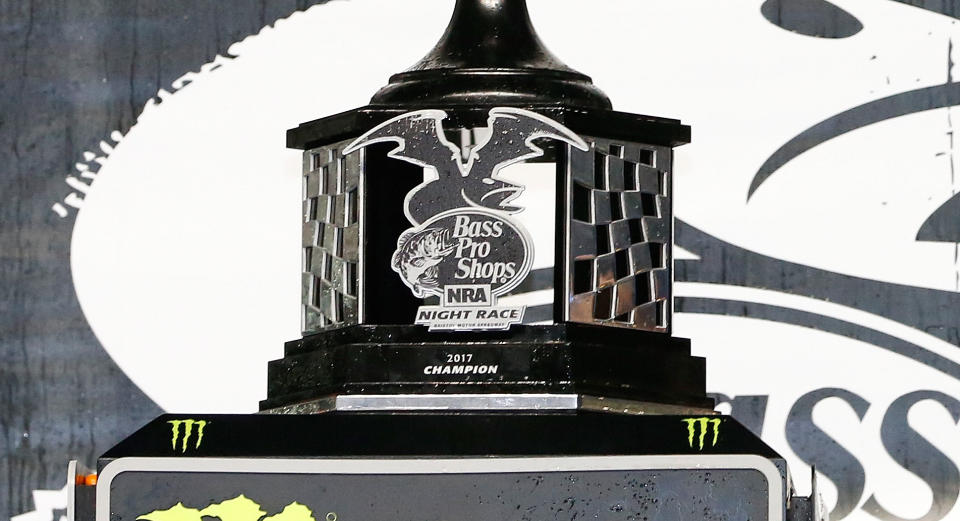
[(488, 234), (486, 311)]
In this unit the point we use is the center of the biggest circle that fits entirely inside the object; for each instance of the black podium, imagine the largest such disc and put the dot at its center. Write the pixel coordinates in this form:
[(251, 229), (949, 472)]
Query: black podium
[(486, 309)]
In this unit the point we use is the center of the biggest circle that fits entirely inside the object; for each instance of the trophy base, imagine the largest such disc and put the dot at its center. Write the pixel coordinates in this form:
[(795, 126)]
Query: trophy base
[(554, 367)]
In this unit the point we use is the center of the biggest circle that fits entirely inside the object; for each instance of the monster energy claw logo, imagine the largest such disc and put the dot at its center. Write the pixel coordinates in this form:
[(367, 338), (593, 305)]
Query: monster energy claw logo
[(704, 425), (188, 425)]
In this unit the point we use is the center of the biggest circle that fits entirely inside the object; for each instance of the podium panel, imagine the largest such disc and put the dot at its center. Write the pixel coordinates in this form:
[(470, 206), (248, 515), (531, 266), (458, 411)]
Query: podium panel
[(609, 488)]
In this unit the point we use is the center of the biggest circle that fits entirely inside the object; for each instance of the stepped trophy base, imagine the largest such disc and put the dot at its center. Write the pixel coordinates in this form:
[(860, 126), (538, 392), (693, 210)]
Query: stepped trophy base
[(568, 366)]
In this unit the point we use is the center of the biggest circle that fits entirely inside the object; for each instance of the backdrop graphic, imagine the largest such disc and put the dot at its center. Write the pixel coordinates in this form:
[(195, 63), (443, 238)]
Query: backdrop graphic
[(150, 231)]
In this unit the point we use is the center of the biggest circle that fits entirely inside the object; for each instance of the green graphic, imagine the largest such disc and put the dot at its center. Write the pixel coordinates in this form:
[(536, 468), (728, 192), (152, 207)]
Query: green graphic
[(704, 425), (187, 432), (240, 508)]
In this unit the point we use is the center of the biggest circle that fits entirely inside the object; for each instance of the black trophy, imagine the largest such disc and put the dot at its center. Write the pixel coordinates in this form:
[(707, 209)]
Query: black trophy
[(487, 315), (428, 279)]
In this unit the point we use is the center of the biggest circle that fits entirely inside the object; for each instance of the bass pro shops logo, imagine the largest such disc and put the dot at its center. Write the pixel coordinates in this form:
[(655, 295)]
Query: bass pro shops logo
[(190, 428), (702, 432), (463, 247)]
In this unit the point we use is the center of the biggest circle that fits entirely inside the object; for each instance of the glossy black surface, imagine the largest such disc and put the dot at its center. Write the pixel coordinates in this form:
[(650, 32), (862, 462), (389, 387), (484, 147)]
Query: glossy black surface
[(439, 434), (490, 54), (597, 122)]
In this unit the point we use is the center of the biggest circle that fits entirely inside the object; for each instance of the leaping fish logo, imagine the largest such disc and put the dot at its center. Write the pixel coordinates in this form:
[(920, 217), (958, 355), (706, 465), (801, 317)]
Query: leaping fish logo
[(417, 256)]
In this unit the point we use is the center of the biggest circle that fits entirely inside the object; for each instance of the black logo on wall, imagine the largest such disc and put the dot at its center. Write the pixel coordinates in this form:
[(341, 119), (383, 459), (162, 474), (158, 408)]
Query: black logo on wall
[(463, 246)]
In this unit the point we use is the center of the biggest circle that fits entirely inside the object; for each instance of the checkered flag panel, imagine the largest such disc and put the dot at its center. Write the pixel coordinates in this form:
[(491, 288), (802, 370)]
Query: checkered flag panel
[(331, 238), (618, 235)]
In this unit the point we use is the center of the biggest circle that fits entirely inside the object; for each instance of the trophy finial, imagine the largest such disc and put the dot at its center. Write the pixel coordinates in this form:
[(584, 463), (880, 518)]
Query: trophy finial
[(490, 54)]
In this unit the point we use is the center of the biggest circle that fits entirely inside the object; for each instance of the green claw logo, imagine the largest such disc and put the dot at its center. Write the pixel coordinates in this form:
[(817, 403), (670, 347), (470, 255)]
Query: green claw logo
[(704, 425), (187, 432)]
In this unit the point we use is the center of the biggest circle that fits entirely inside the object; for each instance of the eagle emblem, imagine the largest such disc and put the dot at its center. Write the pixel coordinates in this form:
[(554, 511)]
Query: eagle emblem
[(465, 183)]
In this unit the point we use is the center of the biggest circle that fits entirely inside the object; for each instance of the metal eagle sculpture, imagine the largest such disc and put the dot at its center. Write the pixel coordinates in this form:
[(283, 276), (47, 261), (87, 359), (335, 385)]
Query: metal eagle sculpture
[(460, 183)]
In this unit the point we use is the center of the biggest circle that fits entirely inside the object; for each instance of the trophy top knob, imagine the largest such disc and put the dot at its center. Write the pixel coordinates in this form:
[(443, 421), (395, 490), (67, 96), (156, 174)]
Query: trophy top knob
[(490, 54)]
